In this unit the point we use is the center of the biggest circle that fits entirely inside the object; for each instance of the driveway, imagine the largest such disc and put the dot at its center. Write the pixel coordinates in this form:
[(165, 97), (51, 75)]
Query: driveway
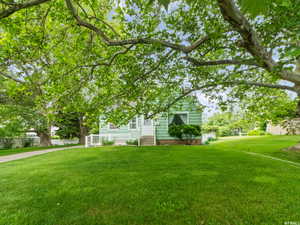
[(33, 153)]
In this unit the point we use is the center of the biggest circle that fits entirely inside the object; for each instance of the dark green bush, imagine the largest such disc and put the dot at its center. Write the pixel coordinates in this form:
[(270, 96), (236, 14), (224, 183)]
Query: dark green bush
[(107, 142), (7, 143), (132, 142), (212, 139), (27, 142), (185, 132), (175, 131)]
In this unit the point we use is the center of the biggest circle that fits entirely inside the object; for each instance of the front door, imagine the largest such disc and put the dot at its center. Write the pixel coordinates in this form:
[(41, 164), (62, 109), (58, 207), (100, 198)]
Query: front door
[(147, 127)]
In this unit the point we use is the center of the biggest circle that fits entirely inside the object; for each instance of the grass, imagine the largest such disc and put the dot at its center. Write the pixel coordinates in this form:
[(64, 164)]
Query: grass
[(267, 145), (4, 152), (215, 184)]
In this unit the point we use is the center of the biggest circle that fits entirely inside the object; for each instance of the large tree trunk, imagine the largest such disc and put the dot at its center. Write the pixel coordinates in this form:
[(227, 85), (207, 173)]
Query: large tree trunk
[(84, 131), (45, 138)]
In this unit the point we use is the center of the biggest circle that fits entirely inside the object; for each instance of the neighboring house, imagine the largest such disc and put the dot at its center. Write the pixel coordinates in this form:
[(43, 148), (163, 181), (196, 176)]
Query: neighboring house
[(32, 132), (276, 129), (290, 127), (54, 130), (149, 131)]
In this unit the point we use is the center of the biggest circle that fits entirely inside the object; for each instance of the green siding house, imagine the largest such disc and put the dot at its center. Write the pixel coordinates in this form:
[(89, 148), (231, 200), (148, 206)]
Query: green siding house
[(151, 131)]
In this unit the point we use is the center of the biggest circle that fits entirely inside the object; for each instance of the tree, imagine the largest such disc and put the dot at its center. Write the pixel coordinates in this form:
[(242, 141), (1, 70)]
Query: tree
[(152, 52), (40, 74), (18, 104), (68, 124), (275, 108), (229, 123), (177, 120)]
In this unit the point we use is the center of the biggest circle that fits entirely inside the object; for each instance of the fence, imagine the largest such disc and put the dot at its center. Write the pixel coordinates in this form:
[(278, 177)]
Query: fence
[(19, 142), (64, 141), (118, 139), (31, 141)]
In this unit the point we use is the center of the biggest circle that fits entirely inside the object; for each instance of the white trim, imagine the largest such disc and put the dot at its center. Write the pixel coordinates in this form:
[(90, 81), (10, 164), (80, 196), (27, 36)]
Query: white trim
[(137, 123), (154, 134)]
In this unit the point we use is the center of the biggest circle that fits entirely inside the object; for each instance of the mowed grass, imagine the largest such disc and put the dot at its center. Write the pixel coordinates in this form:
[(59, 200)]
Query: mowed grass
[(267, 145), (215, 184), (4, 152)]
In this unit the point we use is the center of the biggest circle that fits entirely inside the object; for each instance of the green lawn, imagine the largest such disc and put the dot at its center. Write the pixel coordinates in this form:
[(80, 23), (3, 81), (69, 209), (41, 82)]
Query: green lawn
[(215, 184), (268, 145), (4, 152)]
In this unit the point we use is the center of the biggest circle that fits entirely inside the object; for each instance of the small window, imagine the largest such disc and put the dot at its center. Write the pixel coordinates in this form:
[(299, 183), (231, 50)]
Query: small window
[(147, 122), (133, 124), (112, 126)]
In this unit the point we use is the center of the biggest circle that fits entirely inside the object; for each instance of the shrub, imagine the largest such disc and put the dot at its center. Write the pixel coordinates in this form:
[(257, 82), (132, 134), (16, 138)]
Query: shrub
[(132, 142), (212, 139), (56, 137), (27, 142), (257, 133), (206, 142), (226, 131), (107, 142), (7, 142), (190, 132), (185, 132), (210, 128), (175, 131)]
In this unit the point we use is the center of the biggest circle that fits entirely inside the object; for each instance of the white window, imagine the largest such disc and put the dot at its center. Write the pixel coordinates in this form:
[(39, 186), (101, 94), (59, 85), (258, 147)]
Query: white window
[(147, 122), (133, 124), (177, 117)]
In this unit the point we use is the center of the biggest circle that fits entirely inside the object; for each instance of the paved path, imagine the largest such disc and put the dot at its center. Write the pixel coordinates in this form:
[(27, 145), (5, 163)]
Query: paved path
[(29, 154)]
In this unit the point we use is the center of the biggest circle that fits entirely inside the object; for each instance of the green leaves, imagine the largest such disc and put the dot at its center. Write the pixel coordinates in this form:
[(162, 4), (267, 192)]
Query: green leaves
[(165, 3), (69, 63), (256, 7), (295, 52)]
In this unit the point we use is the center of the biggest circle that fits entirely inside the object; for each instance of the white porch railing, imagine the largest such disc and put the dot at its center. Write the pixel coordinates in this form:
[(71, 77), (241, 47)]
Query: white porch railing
[(119, 139)]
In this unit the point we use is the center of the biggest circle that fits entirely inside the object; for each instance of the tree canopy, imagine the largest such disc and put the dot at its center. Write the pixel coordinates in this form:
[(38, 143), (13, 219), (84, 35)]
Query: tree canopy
[(121, 58)]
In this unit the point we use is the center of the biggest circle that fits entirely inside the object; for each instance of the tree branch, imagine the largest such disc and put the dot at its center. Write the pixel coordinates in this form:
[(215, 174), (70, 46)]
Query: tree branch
[(134, 41), (250, 39), (225, 83), (11, 78), (154, 67), (197, 62), (251, 42), (16, 7), (258, 84), (111, 60)]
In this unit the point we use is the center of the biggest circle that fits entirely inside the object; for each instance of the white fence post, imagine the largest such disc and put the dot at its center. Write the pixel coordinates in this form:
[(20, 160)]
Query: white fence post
[(86, 142)]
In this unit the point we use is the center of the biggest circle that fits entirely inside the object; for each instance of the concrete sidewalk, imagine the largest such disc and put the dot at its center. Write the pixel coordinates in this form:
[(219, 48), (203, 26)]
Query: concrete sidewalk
[(33, 153)]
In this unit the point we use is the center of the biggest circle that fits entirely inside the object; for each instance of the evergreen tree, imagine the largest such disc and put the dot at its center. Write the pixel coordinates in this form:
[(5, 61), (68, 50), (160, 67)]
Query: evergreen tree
[(177, 120)]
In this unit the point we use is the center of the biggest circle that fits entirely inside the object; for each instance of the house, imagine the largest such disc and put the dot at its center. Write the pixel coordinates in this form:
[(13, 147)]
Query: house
[(291, 126), (151, 131), (276, 129)]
